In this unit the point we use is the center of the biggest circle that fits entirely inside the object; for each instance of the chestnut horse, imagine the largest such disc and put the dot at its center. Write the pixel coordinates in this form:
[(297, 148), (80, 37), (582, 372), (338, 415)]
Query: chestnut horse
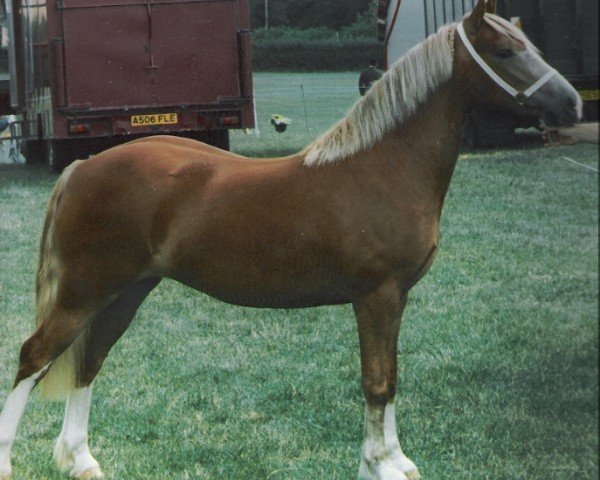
[(353, 218)]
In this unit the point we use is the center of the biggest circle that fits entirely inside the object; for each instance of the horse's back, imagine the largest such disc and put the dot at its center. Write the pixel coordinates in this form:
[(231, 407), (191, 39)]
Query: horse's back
[(164, 141), (129, 208), (174, 207)]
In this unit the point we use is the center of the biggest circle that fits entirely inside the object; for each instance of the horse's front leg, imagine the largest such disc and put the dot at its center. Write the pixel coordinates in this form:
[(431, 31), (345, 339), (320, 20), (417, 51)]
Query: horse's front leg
[(379, 315)]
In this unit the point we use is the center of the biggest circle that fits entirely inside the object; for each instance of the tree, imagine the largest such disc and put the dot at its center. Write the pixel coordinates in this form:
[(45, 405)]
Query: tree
[(308, 13)]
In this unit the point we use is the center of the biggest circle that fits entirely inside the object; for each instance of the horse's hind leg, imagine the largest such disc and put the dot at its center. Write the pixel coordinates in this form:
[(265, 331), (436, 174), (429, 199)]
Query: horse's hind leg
[(63, 328), (9, 420), (71, 451), (37, 354), (110, 324)]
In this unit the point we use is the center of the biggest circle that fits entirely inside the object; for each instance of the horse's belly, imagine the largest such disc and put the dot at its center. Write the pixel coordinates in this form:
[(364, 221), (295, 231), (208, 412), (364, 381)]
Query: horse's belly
[(245, 274), (266, 291), (279, 299)]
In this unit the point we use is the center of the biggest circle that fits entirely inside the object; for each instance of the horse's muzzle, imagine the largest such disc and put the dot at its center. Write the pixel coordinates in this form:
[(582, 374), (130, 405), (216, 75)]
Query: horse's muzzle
[(567, 112)]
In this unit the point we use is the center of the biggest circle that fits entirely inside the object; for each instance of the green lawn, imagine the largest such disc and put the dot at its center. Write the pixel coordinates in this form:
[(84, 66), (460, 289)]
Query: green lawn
[(312, 101), (498, 350)]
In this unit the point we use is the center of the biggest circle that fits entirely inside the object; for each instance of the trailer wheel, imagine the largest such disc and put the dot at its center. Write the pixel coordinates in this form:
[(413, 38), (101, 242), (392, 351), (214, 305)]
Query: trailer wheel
[(60, 153), (216, 138), (53, 160), (34, 151)]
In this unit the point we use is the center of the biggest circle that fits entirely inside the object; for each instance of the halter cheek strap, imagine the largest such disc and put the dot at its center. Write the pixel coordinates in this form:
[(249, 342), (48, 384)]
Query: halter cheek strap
[(520, 96)]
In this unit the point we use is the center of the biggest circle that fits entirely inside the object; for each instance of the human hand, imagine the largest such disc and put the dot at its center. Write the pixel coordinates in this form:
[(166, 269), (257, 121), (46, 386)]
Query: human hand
[(555, 136)]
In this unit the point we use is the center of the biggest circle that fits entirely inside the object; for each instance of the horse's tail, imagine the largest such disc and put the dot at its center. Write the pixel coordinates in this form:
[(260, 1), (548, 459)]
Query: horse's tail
[(61, 378)]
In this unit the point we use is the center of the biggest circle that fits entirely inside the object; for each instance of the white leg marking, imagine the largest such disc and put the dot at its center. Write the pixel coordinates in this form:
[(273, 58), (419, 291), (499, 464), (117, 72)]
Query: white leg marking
[(392, 444), (10, 417), (71, 451), (376, 462)]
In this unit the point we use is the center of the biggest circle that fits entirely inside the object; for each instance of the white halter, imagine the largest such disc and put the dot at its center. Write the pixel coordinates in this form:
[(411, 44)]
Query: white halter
[(520, 96)]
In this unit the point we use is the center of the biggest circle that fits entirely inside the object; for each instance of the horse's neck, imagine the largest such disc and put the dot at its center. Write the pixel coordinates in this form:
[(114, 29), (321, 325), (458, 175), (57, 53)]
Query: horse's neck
[(425, 148)]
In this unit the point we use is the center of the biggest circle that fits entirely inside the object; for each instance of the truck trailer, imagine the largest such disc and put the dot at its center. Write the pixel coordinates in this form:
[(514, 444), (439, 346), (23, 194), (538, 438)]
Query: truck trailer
[(566, 31), (89, 74)]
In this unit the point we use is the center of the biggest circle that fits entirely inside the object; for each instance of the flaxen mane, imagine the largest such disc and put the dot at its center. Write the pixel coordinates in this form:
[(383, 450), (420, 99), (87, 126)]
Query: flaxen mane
[(390, 102)]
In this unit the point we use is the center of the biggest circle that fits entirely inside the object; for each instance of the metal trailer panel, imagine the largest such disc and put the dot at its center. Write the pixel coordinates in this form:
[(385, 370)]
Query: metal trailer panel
[(10, 52), (442, 12), (408, 22), (588, 20), (141, 55), (561, 42)]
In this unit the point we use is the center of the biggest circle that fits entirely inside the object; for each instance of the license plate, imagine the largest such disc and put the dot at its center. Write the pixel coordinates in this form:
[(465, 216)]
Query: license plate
[(153, 119)]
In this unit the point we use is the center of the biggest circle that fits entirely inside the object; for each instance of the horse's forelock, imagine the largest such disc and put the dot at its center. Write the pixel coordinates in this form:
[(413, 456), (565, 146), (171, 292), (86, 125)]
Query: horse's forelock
[(503, 26)]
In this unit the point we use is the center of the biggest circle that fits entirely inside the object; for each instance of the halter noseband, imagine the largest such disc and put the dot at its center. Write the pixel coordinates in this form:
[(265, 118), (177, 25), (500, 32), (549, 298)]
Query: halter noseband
[(520, 96)]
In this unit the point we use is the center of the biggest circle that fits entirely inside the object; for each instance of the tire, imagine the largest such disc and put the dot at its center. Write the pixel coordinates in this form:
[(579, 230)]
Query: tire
[(54, 160), (61, 153), (34, 151), (222, 139)]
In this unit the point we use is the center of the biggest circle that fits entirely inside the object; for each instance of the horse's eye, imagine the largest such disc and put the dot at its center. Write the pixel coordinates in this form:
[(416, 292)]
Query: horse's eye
[(504, 53)]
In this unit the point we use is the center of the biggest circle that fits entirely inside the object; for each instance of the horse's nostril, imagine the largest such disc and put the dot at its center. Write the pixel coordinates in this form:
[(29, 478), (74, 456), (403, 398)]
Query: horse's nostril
[(571, 111)]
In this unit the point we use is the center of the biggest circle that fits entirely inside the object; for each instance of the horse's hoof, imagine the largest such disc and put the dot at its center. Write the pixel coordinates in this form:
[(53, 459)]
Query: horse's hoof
[(379, 472), (89, 473), (413, 475)]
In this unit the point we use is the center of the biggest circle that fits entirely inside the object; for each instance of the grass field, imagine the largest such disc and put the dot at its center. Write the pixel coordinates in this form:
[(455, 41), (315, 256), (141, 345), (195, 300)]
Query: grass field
[(498, 350), (312, 101)]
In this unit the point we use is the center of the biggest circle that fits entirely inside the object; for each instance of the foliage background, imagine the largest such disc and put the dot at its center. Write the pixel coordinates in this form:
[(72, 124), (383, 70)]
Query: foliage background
[(333, 35), (332, 14)]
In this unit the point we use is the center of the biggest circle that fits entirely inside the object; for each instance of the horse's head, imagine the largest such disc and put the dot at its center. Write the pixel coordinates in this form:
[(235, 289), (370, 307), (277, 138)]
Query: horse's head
[(503, 69)]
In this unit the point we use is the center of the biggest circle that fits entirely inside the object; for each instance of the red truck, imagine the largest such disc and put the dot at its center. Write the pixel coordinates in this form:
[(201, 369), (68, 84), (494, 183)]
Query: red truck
[(89, 74)]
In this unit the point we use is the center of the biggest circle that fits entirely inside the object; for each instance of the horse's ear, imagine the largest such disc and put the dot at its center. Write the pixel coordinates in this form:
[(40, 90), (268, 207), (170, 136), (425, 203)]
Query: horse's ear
[(491, 6), (475, 19)]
